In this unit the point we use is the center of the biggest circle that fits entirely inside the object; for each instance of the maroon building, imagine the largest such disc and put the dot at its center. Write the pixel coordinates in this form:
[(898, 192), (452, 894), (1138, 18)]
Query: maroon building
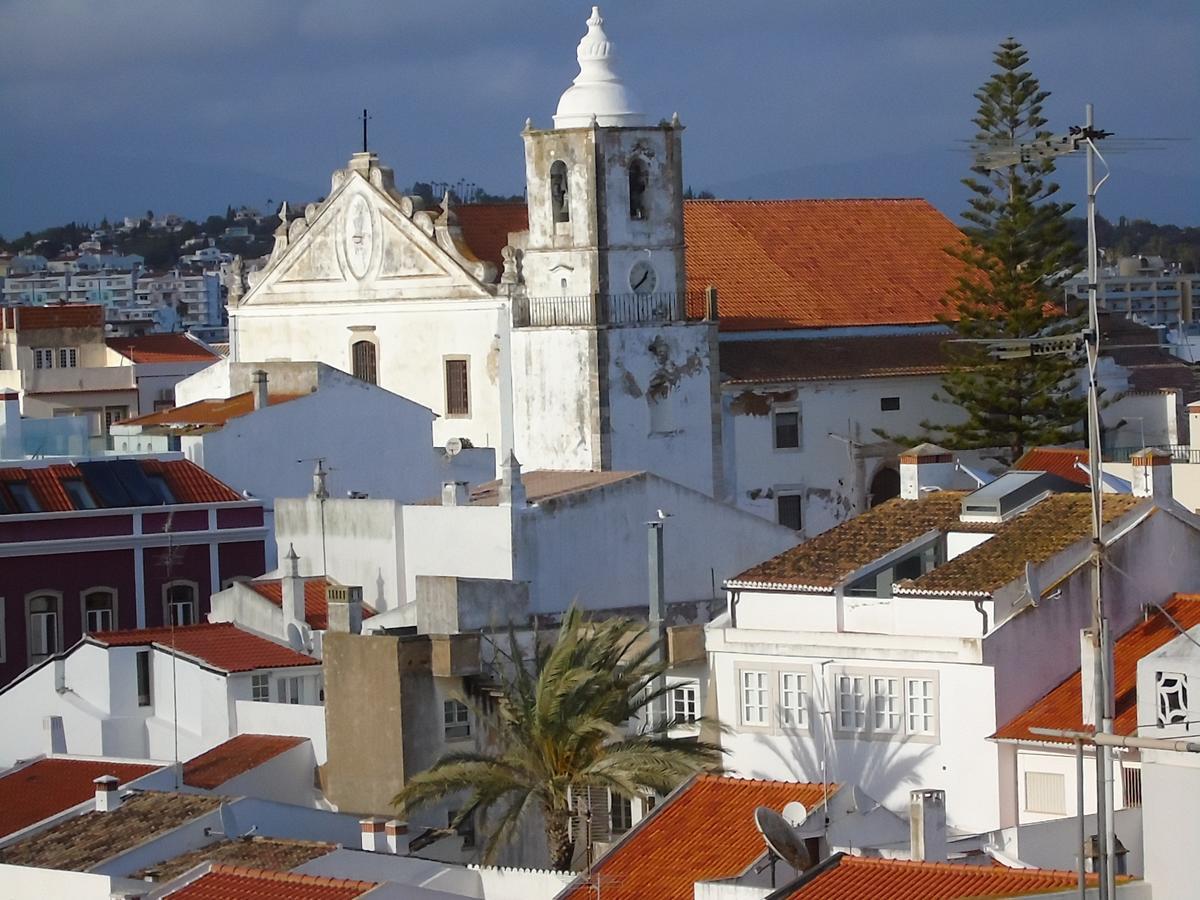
[(114, 544)]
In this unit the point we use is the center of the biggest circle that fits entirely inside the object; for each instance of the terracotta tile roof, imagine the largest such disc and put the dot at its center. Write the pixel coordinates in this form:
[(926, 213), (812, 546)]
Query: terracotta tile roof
[(258, 852), (162, 348), (825, 359), (1062, 707), (87, 840), (486, 226), (825, 560), (208, 413), (702, 832), (187, 482), (545, 485), (1045, 529), (52, 785), (316, 599), (222, 645), (236, 756), (782, 264), (74, 315), (1058, 461), (237, 883), (845, 877)]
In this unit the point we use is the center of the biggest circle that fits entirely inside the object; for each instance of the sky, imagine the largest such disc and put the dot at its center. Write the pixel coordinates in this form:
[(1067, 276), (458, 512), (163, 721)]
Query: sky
[(118, 107)]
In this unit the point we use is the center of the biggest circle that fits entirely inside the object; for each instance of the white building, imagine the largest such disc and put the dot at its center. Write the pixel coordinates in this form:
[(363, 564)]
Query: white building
[(195, 295), (127, 694), (886, 651)]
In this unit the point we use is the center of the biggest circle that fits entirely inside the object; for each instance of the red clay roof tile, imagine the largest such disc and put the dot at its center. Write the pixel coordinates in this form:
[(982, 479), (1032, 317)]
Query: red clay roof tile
[(1062, 708), (1058, 461), (704, 831), (52, 785), (222, 645), (316, 599), (187, 481), (161, 348), (208, 412), (238, 883), (236, 756), (846, 877), (74, 315)]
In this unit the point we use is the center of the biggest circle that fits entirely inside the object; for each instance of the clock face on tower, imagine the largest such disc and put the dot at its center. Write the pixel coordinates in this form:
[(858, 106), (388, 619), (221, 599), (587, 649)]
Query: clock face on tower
[(642, 278), (359, 235)]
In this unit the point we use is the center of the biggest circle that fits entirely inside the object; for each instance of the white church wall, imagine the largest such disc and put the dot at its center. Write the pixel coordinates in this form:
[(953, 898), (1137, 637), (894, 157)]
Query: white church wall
[(555, 422)]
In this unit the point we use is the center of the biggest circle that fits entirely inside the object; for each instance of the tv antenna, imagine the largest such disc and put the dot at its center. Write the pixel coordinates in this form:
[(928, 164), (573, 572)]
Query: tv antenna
[(780, 835)]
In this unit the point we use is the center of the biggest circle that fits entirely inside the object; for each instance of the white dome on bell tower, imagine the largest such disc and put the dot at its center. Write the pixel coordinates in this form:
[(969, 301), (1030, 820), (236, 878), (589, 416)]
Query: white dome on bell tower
[(596, 91)]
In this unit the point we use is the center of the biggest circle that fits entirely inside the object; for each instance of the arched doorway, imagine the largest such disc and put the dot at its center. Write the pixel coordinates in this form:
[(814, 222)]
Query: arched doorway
[(884, 486)]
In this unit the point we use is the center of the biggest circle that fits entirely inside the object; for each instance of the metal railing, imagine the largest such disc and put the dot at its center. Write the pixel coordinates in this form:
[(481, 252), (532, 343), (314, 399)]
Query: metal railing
[(629, 308), (1179, 453)]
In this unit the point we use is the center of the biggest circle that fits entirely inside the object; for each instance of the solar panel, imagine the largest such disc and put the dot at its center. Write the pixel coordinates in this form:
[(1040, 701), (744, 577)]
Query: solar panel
[(119, 482)]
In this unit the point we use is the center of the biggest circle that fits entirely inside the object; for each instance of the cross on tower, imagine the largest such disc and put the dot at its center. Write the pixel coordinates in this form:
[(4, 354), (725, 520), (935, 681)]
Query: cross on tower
[(365, 119)]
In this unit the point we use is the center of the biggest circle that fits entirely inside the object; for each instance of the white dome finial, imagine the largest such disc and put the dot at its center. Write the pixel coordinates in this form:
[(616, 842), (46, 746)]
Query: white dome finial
[(596, 93)]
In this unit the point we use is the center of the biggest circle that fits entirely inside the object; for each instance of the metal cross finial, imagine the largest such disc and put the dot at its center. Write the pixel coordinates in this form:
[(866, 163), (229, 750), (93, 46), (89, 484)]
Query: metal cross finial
[(365, 120)]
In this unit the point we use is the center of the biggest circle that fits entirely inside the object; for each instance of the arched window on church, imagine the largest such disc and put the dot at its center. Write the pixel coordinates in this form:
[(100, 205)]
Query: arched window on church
[(363, 360), (560, 200), (639, 178)]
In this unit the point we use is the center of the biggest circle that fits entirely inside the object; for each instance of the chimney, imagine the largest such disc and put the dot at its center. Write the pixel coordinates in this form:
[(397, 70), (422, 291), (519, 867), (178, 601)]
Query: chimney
[(456, 493), (925, 467), (293, 590), (344, 608), (1152, 474), (56, 737), (395, 832), (1087, 677), (512, 488), (927, 825), (260, 388), (373, 838), (11, 443), (711, 311), (108, 798)]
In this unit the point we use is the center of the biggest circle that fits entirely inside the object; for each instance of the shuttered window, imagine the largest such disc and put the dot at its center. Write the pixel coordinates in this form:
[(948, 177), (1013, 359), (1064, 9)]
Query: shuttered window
[(1046, 792), (363, 362), (458, 391)]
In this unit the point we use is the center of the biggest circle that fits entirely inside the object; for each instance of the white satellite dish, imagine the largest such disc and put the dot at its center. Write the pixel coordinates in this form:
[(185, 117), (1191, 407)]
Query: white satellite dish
[(454, 446), (781, 838), (795, 813)]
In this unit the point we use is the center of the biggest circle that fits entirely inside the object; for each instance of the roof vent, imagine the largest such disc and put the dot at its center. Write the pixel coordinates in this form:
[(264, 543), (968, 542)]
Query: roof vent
[(1012, 493)]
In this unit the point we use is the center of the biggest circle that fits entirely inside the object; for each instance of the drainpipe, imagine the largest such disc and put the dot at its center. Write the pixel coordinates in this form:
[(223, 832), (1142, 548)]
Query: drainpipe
[(983, 612), (658, 613)]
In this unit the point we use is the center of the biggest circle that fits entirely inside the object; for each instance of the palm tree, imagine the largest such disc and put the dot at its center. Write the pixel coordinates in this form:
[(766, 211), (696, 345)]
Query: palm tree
[(564, 726)]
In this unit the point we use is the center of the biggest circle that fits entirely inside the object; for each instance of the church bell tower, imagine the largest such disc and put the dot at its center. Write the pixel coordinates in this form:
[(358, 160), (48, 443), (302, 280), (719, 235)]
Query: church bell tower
[(614, 374)]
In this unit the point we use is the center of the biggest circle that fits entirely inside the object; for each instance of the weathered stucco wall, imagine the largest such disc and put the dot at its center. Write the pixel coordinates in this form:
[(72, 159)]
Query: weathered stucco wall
[(556, 417)]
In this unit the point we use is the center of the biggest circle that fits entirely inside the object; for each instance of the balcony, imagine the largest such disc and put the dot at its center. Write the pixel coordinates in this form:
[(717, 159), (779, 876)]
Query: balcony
[(1179, 453), (80, 379), (603, 309)]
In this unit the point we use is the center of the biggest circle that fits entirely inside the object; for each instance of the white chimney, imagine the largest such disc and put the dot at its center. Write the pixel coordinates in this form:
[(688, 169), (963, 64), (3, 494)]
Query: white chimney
[(260, 389), (927, 825), (925, 467), (11, 444), (512, 487), (1152, 474), (373, 838), (293, 590), (456, 493), (108, 798), (1087, 677), (344, 606), (395, 832)]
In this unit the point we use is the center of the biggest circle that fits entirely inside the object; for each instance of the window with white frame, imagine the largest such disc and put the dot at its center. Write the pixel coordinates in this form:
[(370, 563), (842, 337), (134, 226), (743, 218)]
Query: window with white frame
[(885, 704), (920, 705), (1046, 793), (756, 704), (290, 690), (793, 699), (44, 624), (683, 703), (260, 688), (852, 702), (456, 720), (99, 610), (621, 813), (180, 603), (67, 357), (43, 357)]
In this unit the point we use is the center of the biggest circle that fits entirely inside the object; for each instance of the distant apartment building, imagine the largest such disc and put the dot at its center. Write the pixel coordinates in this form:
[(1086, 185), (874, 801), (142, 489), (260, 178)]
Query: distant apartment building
[(195, 296), (1143, 287)]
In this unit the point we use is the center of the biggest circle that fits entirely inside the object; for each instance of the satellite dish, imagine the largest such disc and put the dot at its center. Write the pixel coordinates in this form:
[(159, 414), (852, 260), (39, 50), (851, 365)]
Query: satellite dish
[(781, 838), (795, 813), (454, 446)]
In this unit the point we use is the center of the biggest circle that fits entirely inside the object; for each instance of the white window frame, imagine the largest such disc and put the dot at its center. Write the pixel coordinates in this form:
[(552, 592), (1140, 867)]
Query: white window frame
[(795, 690), (291, 689), (911, 696), (756, 681), (852, 688), (887, 704), (57, 624), (112, 608), (685, 696), (456, 720), (787, 411), (260, 684), (44, 357), (927, 714), (168, 619), (68, 357)]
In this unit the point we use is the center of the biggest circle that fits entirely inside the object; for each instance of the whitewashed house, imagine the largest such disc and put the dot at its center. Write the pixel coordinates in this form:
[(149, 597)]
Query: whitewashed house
[(886, 651), (146, 692)]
